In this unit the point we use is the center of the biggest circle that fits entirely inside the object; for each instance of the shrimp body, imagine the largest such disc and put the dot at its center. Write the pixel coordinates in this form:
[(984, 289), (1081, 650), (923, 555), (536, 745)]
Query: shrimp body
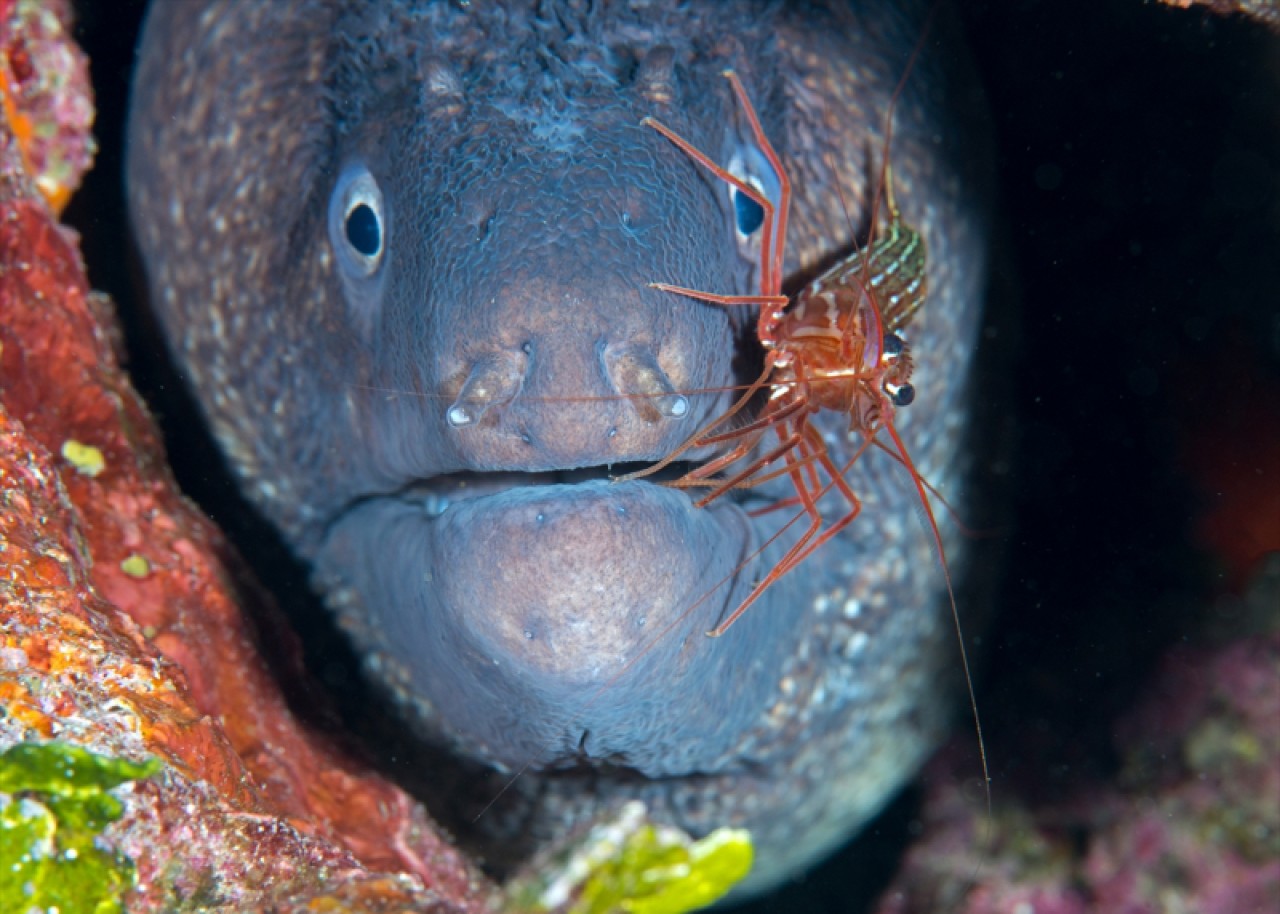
[(835, 347), (841, 332)]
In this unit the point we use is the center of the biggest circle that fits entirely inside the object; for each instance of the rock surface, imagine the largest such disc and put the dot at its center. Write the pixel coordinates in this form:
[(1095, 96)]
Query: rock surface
[(1191, 822), (121, 628)]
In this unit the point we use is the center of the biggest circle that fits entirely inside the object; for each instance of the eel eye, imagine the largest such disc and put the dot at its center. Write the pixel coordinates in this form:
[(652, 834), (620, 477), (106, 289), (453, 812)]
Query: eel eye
[(357, 222), (750, 165), (749, 213)]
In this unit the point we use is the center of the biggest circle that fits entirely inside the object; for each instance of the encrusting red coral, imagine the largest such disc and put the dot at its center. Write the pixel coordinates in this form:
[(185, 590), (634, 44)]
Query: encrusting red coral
[(119, 625)]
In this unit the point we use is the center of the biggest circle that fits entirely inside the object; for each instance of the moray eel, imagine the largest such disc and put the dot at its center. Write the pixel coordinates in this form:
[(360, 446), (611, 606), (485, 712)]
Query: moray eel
[(401, 252)]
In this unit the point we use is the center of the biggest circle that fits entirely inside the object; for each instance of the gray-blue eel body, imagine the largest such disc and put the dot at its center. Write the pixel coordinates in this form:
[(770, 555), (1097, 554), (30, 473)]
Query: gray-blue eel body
[(402, 252)]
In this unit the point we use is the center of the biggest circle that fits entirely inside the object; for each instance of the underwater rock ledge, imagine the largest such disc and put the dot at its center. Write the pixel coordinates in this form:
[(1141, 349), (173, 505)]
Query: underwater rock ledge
[(119, 622)]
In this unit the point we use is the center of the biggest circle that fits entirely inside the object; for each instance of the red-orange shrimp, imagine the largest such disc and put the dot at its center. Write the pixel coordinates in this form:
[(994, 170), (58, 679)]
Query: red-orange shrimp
[(833, 348)]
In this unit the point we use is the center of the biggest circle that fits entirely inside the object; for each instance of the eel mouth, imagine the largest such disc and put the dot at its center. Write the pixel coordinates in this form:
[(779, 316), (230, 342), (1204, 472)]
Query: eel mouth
[(513, 612), (436, 494)]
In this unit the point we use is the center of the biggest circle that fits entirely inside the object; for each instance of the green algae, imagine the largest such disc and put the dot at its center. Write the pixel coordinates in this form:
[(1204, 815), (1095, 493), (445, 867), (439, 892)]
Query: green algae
[(631, 865), (655, 875), (54, 803)]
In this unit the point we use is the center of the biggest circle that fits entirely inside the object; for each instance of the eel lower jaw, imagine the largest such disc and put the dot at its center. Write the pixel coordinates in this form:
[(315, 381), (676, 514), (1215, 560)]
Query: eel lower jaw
[(515, 612)]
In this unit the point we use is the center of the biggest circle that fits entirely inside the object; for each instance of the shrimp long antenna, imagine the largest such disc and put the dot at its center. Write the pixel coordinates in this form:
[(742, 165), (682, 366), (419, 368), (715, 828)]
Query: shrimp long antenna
[(886, 187), (918, 482)]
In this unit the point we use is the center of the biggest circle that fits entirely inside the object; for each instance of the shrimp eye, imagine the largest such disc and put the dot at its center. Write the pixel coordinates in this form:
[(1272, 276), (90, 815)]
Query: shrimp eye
[(901, 396), (749, 213), (357, 222), (893, 345)]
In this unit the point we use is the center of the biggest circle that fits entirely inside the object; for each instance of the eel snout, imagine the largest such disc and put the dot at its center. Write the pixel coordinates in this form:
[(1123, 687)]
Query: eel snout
[(567, 374), (543, 347)]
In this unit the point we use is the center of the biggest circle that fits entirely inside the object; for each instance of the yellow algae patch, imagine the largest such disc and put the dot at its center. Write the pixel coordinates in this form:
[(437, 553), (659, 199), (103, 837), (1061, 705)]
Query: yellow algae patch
[(135, 566), (632, 865), (86, 458)]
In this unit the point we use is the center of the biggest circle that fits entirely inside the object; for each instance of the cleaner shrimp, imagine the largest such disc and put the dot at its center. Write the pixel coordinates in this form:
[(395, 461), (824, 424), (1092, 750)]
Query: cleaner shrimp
[(834, 348)]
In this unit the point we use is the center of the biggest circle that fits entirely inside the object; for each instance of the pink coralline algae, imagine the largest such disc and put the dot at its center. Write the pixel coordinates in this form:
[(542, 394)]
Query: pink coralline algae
[(44, 95), (1191, 823)]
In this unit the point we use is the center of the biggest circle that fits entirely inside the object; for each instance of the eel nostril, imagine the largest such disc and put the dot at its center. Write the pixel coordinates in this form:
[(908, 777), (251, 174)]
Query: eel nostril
[(635, 374), (494, 379)]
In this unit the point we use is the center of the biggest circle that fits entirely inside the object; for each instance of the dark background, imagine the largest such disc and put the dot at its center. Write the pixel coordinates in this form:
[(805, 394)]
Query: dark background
[(1139, 155)]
